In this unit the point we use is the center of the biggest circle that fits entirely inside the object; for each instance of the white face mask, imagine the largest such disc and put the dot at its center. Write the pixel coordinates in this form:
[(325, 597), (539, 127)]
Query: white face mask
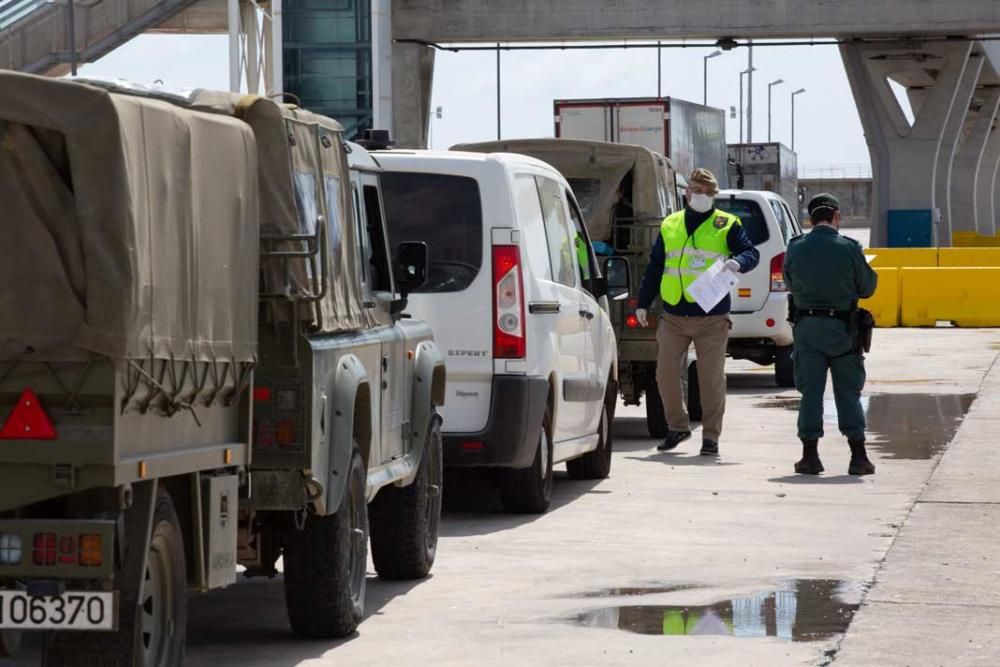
[(701, 203)]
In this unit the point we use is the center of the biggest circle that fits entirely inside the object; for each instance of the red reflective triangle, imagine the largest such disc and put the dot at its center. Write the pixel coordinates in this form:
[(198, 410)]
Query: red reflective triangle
[(28, 421)]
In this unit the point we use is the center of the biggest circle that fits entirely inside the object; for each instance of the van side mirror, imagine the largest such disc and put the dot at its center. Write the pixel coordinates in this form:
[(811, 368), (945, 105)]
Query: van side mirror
[(618, 275), (412, 260)]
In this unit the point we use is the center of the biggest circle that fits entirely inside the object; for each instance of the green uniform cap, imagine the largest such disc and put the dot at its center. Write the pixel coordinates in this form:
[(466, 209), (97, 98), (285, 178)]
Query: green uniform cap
[(823, 200)]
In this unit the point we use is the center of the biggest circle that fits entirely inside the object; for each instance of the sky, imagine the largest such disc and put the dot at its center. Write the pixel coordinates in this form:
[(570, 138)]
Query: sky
[(828, 130)]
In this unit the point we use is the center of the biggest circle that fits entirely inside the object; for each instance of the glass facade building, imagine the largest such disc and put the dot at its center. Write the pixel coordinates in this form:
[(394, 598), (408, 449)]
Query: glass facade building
[(328, 59)]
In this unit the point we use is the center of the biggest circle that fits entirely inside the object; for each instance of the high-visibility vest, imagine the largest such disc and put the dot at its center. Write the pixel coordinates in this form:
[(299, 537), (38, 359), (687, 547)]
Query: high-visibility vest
[(689, 256), (582, 256)]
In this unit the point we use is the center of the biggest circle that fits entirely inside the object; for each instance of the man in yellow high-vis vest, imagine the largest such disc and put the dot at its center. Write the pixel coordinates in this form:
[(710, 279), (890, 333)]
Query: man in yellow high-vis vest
[(691, 241)]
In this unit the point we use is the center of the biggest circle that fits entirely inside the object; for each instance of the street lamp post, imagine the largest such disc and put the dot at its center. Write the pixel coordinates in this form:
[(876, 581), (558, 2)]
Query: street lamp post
[(743, 74), (797, 92), (713, 54), (776, 82)]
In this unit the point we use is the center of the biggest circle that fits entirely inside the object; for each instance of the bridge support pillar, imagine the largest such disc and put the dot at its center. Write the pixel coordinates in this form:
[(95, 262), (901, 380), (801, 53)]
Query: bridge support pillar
[(987, 182), (972, 178), (907, 159), (412, 81)]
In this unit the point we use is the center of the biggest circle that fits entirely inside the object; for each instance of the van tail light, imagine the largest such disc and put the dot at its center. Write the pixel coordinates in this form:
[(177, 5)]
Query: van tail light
[(777, 273), (509, 340)]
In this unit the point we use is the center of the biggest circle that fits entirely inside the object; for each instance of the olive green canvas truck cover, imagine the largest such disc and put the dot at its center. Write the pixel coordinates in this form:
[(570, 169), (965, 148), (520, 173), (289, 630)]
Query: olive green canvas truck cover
[(595, 169), (128, 286), (298, 154)]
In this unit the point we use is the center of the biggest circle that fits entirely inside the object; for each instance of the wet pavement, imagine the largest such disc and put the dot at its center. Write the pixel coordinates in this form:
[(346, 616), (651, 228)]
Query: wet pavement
[(682, 559), (803, 610), (900, 426)]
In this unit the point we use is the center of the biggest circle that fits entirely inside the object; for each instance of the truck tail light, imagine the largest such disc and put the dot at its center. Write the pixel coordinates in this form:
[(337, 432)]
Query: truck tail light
[(632, 322), (44, 550), (10, 549), (261, 394), (28, 421), (509, 341), (263, 433), (777, 273), (284, 433), (91, 550)]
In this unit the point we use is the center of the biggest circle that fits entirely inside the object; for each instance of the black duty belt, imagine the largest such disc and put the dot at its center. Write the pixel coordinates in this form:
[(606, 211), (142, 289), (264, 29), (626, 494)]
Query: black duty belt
[(825, 312)]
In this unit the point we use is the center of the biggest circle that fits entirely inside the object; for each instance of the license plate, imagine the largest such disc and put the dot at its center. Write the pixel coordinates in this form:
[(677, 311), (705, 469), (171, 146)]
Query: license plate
[(69, 611)]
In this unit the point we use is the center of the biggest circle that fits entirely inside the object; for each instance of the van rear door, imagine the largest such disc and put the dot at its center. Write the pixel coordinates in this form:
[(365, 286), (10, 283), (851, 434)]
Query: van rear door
[(445, 211), (751, 293)]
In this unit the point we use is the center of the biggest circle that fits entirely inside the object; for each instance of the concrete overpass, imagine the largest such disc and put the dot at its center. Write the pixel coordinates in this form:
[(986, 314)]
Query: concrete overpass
[(934, 176)]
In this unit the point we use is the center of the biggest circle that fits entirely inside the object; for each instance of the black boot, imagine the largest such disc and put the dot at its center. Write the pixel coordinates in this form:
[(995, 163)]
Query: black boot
[(860, 465), (810, 463)]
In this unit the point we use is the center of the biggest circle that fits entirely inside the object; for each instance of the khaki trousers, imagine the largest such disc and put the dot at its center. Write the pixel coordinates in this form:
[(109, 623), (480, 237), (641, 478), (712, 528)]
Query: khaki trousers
[(674, 336)]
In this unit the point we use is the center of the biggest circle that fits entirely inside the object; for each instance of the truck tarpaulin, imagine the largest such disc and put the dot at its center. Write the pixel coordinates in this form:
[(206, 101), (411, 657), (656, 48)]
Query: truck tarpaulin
[(604, 165), (290, 191), (129, 226)]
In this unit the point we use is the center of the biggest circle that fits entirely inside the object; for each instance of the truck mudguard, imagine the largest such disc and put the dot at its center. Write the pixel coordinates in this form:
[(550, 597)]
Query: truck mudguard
[(347, 386), (429, 380)]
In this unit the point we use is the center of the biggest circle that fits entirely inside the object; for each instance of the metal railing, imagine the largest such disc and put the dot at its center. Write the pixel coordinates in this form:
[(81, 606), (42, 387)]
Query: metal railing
[(12, 11), (834, 171)]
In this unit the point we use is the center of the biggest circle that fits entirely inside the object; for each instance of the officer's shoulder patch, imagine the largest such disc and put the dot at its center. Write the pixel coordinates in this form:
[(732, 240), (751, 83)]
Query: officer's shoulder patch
[(720, 222)]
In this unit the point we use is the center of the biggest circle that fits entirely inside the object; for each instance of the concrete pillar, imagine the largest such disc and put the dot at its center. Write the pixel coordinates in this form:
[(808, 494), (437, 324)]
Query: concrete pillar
[(412, 81), (986, 182), (965, 179), (950, 140), (905, 158)]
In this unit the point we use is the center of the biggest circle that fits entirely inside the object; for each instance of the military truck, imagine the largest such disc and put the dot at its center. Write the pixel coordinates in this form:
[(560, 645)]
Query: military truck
[(202, 361), (624, 192)]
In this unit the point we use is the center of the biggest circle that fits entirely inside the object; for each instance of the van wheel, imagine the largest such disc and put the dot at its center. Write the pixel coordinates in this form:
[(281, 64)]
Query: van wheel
[(529, 490), (595, 464), (784, 367), (326, 562), (156, 634), (693, 397), (656, 420), (404, 521)]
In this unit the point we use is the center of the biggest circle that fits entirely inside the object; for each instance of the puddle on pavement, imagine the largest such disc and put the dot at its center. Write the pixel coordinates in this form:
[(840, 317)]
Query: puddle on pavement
[(802, 610), (627, 592), (903, 426)]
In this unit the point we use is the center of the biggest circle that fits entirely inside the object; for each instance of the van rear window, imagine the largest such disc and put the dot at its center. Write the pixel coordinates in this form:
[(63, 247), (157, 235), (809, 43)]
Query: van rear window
[(749, 214), (446, 213)]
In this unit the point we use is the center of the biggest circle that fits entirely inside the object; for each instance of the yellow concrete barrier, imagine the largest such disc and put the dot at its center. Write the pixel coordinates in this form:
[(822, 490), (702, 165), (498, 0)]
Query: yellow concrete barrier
[(974, 240), (884, 304), (897, 257), (969, 297), (953, 257), (964, 239)]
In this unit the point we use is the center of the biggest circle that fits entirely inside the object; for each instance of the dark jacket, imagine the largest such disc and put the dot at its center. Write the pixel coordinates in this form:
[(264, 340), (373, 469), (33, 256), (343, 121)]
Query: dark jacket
[(740, 246), (824, 269)]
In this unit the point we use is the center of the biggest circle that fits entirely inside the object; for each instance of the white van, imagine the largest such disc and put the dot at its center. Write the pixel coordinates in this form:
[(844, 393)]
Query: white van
[(519, 305)]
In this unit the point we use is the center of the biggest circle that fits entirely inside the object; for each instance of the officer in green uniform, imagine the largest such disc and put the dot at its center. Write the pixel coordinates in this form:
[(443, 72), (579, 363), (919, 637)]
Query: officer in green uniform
[(826, 274)]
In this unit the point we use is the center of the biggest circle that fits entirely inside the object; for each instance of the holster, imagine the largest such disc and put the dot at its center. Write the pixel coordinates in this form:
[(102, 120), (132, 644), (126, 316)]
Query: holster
[(861, 326)]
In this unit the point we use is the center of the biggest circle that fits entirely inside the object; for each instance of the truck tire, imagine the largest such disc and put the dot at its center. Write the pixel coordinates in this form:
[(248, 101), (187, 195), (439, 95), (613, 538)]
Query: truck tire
[(405, 520), (693, 396), (326, 563), (784, 367), (656, 419), (595, 464), (160, 636), (529, 490)]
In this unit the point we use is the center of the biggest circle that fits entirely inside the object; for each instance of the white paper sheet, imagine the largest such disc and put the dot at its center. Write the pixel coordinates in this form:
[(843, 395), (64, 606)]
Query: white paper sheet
[(712, 286), (869, 258)]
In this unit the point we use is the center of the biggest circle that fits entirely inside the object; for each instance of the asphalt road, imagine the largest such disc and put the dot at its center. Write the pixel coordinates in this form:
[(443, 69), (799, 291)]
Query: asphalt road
[(676, 559)]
